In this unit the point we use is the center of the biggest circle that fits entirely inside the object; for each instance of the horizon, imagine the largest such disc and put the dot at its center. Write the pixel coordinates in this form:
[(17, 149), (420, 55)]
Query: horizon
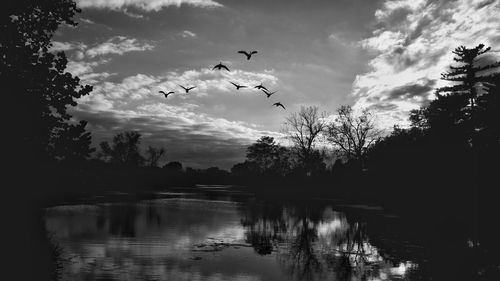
[(382, 55)]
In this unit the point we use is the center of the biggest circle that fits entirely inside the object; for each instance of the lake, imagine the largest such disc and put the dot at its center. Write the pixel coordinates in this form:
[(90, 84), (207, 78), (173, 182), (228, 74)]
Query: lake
[(222, 233)]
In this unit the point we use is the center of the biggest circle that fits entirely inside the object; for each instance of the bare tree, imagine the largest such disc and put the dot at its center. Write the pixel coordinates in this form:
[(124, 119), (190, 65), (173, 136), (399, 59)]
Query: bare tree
[(303, 128), (353, 134), (154, 155)]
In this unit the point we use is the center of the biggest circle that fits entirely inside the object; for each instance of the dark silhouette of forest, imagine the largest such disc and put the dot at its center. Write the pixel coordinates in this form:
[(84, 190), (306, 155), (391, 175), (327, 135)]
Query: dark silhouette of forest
[(443, 167)]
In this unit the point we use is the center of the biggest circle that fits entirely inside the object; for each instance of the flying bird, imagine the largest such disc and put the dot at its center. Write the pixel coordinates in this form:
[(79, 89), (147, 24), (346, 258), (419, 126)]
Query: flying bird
[(279, 104), (166, 94), (220, 66), (249, 55), (260, 87), (268, 94), (238, 86), (187, 89)]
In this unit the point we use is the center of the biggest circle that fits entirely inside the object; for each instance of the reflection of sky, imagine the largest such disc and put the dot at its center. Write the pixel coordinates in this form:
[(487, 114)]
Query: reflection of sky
[(164, 234), (155, 239)]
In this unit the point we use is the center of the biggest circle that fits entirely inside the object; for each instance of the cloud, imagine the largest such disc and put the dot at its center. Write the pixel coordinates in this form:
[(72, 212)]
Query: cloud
[(178, 123), (144, 5), (81, 67), (411, 90), (187, 33), (115, 45), (412, 45), (118, 45), (132, 15), (87, 21), (66, 46), (85, 71)]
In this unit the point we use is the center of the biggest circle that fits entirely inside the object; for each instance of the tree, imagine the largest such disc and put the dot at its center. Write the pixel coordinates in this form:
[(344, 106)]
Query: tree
[(469, 78), (489, 114), (38, 88), (303, 128), (265, 156), (173, 166), (154, 155), (124, 150), (353, 134)]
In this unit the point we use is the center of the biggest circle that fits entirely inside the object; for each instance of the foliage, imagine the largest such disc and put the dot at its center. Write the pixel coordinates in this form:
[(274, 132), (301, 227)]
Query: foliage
[(39, 89), (265, 156), (459, 113), (173, 166), (124, 150)]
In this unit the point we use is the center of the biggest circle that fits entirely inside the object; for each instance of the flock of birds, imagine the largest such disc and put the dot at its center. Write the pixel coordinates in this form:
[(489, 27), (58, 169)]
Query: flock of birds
[(220, 66)]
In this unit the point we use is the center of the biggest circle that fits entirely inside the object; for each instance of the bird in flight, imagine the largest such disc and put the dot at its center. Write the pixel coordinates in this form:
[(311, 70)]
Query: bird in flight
[(166, 94), (238, 86), (268, 94), (279, 104), (260, 87), (249, 55), (187, 89), (220, 66)]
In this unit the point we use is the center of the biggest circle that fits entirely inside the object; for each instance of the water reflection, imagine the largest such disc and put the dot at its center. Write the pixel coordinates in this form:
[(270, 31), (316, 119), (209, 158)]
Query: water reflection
[(215, 237), (317, 243)]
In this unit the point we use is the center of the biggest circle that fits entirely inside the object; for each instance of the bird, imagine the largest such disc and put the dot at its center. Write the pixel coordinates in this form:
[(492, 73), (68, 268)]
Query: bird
[(260, 87), (220, 66), (187, 89), (166, 94), (279, 104), (238, 86), (268, 94), (249, 55)]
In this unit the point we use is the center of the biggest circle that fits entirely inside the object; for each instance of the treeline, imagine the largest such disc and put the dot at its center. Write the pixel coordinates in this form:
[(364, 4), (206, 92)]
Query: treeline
[(448, 153), (450, 149)]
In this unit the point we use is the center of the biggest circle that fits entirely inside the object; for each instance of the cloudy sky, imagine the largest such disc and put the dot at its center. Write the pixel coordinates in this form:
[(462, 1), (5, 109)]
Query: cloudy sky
[(386, 55)]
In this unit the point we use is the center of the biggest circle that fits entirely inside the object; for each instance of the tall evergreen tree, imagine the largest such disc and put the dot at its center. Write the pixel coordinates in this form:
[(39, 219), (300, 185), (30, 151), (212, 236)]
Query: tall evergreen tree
[(469, 77)]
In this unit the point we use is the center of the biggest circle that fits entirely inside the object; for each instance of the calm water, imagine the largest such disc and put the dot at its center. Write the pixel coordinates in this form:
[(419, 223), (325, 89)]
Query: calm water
[(218, 233)]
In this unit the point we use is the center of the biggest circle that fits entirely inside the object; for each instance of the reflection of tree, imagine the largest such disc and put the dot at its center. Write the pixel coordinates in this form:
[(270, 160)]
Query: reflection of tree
[(311, 245), (122, 219), (301, 259)]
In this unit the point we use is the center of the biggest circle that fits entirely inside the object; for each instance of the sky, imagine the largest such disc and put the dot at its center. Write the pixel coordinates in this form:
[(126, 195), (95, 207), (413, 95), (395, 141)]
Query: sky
[(385, 55)]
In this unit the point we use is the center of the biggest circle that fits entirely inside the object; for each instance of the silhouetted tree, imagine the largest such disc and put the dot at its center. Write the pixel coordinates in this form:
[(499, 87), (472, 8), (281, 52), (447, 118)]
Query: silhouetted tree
[(457, 108), (124, 149), (173, 166), (353, 134), (36, 84), (242, 169), (265, 156), (303, 128), (154, 155)]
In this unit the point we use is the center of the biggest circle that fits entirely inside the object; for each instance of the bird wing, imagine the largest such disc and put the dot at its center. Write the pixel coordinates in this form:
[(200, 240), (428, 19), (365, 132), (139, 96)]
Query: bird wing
[(171, 92), (253, 52), (183, 88), (236, 85), (225, 67), (243, 52), (215, 67), (161, 92), (191, 88)]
